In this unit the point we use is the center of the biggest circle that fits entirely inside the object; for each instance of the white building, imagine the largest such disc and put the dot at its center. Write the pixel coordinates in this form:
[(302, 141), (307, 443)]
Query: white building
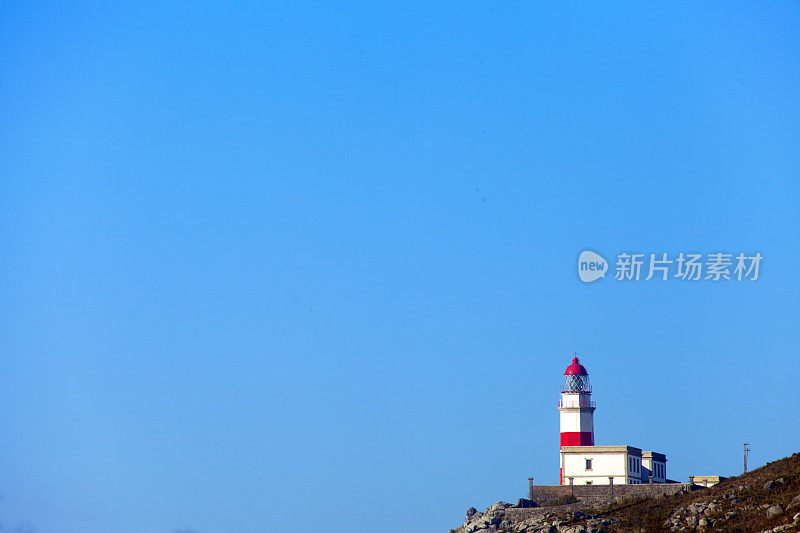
[(706, 481), (583, 463), (655, 464)]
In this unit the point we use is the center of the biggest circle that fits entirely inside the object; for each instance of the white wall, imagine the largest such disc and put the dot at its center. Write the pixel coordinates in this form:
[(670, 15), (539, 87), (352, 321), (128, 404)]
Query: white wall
[(603, 465), (647, 469), (576, 421), (573, 399), (657, 468), (625, 468), (662, 478), (634, 466)]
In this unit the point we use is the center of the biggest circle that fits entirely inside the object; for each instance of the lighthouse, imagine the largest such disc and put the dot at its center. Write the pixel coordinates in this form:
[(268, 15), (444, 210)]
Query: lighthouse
[(581, 462), (576, 407)]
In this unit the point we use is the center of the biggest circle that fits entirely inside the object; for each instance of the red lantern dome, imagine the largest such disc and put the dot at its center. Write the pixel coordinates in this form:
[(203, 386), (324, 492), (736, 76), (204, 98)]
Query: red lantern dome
[(575, 369)]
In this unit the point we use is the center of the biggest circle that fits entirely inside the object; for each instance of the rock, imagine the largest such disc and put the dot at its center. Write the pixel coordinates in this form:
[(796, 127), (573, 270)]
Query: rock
[(703, 522), (578, 515), (731, 514), (773, 511), (472, 512), (498, 506), (794, 503), (696, 508), (769, 485), (522, 503), (492, 519)]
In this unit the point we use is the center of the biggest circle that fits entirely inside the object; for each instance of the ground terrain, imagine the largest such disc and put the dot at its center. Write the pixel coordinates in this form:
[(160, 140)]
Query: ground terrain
[(766, 499)]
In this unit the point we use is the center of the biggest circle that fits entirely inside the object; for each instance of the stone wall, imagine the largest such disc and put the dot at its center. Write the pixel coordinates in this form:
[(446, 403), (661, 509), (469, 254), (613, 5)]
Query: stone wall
[(589, 495), (544, 494)]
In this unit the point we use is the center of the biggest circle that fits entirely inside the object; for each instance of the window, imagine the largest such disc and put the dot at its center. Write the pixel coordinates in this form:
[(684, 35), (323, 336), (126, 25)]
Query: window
[(588, 464)]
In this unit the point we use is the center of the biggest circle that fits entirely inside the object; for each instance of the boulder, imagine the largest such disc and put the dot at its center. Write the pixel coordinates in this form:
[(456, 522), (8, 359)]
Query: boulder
[(498, 506), (696, 508), (522, 503), (773, 511), (794, 503), (769, 485), (703, 522)]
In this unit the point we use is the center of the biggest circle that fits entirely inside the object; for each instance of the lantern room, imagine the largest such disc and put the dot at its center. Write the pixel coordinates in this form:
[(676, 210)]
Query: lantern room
[(576, 379)]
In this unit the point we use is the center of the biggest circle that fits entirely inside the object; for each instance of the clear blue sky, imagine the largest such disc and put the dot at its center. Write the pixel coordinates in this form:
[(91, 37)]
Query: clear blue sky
[(272, 268)]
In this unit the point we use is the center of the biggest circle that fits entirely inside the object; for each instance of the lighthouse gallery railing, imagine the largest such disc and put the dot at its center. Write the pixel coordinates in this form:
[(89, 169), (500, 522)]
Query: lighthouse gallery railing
[(576, 403)]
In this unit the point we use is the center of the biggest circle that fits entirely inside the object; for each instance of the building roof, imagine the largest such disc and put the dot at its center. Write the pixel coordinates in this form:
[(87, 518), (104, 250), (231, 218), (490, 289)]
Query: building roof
[(575, 369), (630, 450), (660, 457)]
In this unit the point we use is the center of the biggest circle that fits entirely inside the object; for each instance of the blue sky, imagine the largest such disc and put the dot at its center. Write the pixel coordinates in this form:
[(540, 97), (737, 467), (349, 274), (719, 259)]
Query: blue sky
[(279, 267)]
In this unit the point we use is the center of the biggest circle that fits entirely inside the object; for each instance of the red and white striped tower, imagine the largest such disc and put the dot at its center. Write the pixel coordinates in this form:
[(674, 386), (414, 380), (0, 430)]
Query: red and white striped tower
[(576, 408)]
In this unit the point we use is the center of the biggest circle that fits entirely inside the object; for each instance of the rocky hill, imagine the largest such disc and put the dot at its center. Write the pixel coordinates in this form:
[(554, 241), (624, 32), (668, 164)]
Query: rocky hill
[(766, 499)]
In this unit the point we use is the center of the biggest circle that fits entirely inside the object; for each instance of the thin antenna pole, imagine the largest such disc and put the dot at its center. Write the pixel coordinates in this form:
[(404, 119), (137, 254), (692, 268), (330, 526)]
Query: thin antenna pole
[(745, 450)]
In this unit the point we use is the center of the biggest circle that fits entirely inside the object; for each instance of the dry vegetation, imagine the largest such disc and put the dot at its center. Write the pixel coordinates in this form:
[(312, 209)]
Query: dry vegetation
[(745, 495)]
